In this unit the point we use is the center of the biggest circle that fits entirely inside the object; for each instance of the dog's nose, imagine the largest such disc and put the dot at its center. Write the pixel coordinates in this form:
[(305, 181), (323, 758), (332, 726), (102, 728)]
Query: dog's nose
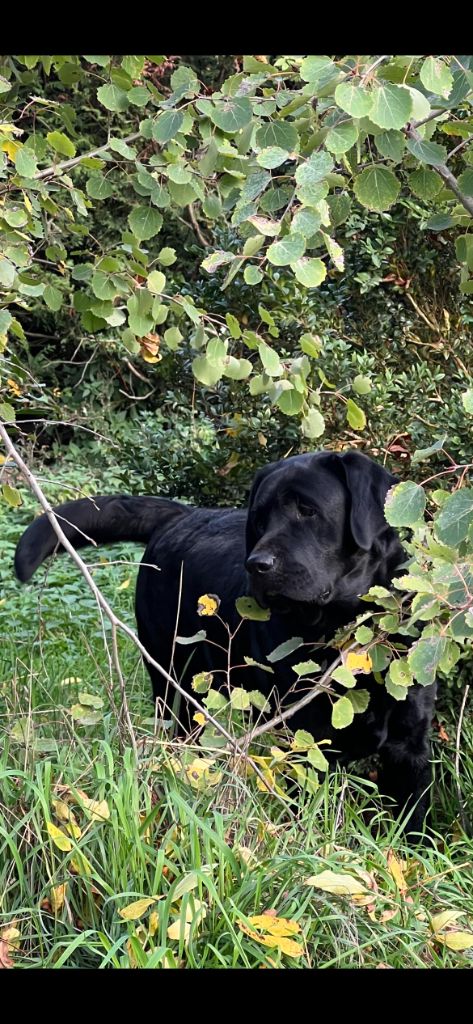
[(260, 562)]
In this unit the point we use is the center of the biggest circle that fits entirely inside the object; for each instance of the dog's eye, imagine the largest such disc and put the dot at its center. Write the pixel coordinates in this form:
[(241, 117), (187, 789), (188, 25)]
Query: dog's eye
[(306, 510)]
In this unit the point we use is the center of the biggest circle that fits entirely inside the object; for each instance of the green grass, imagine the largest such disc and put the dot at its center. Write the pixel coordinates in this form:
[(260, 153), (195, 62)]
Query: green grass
[(212, 854)]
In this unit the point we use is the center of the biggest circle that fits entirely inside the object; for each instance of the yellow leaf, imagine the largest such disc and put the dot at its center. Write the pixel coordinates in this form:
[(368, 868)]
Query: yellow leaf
[(179, 928), (124, 585), (456, 940), (73, 830), (275, 925), (14, 387), (11, 148), (70, 680), (98, 810), (358, 662), (337, 884), (80, 865), (57, 897), (290, 947), (27, 202), (136, 910), (153, 923), (11, 936), (440, 921), (63, 811), (396, 868), (59, 839), (208, 604), (200, 718)]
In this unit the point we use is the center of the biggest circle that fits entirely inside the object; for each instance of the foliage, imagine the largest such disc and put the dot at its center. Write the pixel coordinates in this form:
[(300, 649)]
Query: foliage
[(282, 150)]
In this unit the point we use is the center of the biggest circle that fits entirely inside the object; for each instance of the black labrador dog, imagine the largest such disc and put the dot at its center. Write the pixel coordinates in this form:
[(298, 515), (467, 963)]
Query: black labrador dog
[(312, 541)]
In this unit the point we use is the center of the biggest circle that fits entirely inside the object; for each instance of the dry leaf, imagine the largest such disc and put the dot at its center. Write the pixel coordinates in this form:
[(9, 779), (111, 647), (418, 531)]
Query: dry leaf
[(5, 958), (57, 897), (136, 910), (456, 940), (275, 925), (396, 868), (208, 604), (441, 920), (58, 837), (358, 662), (9, 943), (338, 884), (98, 810)]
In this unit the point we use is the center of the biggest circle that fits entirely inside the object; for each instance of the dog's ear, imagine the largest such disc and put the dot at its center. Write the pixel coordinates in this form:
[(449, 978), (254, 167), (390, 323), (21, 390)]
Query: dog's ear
[(261, 475), (368, 484)]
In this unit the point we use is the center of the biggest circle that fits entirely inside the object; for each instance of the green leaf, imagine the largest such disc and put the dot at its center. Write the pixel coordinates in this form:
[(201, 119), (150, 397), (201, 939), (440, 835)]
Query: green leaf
[(287, 251), (7, 274), (342, 675), (53, 297), (252, 275), (173, 338), (355, 100), (427, 152), (363, 634), (405, 504), (231, 113), (465, 182), (139, 312), (7, 412), (341, 137), (277, 134), (61, 143), (252, 245), (233, 325), (391, 145), (361, 384), (237, 369), (467, 400), (240, 699), (113, 98), (440, 222), (425, 183), (11, 495), (283, 650), (355, 416), (290, 402), (207, 372), (272, 157), (16, 218), (26, 162), (167, 126), (145, 222), (436, 76), (424, 453), (424, 658), (400, 672), (139, 95), (270, 360), (342, 713), (359, 700), (317, 759), (98, 187), (156, 282), (314, 169), (306, 668), (340, 208), (248, 608), (453, 521), (392, 105), (306, 222), (217, 259), (316, 67), (309, 271), (311, 345), (377, 188), (167, 256), (313, 424), (122, 147)]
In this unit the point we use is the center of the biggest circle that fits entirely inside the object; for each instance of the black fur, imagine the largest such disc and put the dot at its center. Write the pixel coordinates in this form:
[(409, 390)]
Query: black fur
[(313, 539)]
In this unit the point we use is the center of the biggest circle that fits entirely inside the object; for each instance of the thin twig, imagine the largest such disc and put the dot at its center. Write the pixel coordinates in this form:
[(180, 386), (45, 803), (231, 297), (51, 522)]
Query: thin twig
[(445, 173), (195, 224), (67, 164), (463, 817)]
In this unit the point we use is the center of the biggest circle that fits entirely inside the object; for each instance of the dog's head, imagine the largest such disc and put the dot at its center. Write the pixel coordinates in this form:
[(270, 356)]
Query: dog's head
[(316, 531)]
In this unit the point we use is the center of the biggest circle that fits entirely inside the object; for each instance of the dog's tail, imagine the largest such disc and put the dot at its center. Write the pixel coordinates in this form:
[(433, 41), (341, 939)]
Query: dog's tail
[(103, 520)]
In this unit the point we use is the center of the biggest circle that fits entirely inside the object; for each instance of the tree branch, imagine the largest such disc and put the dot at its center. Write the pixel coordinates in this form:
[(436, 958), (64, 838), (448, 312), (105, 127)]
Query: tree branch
[(445, 173), (65, 165)]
